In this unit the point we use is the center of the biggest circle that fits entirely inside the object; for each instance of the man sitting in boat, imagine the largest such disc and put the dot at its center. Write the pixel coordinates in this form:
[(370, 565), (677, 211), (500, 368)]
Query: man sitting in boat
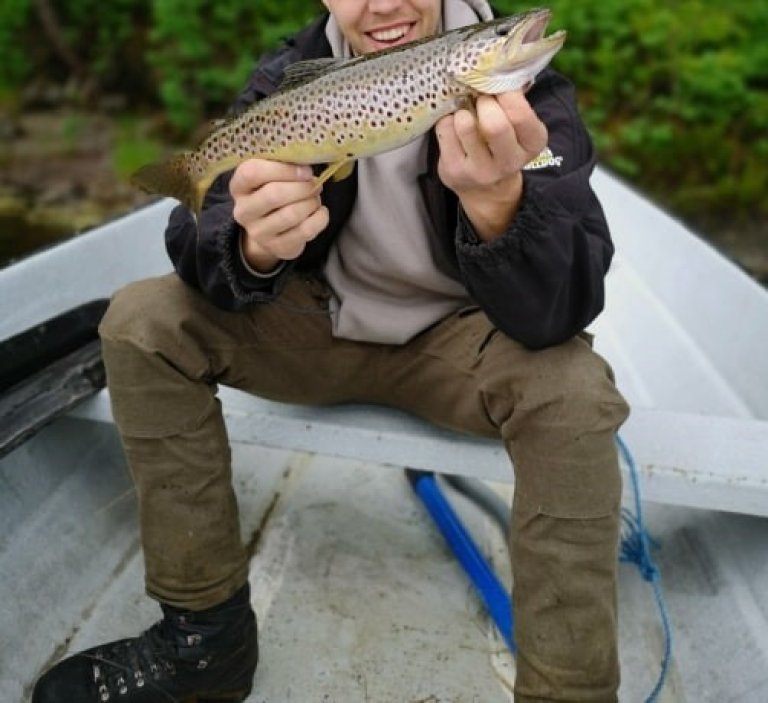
[(451, 277)]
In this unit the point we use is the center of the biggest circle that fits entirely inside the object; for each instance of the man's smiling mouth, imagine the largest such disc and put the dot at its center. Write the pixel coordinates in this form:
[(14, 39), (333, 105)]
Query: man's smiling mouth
[(390, 34)]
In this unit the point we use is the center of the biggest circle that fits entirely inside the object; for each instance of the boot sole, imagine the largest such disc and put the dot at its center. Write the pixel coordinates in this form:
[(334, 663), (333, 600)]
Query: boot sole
[(230, 697)]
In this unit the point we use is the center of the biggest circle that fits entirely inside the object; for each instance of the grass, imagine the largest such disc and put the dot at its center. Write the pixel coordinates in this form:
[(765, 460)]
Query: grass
[(134, 145)]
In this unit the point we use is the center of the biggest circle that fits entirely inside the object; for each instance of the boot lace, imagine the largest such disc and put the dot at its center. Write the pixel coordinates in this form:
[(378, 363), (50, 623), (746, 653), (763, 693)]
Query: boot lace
[(146, 660)]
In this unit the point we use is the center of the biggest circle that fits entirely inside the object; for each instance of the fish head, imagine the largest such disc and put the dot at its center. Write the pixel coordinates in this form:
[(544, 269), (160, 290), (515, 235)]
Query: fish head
[(504, 54)]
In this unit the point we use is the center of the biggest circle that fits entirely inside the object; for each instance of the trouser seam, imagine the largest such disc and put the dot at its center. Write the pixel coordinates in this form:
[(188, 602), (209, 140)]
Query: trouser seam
[(168, 431)]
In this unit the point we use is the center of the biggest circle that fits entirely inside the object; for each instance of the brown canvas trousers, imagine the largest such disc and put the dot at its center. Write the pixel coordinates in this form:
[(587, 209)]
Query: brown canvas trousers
[(556, 410)]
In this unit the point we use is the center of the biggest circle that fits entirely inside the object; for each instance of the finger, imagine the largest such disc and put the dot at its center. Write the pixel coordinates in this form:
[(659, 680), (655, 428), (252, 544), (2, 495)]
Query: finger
[(254, 173), (530, 130), (254, 205), (290, 243), (452, 162), (450, 146), (283, 220), (472, 142), (497, 130)]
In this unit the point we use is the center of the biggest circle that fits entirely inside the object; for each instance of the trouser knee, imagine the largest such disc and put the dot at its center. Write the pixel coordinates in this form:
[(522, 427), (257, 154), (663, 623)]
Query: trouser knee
[(562, 438), (147, 313), (156, 375)]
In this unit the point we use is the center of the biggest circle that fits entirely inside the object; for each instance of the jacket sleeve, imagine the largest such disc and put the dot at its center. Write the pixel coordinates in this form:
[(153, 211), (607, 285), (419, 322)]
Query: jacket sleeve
[(542, 281), (206, 253)]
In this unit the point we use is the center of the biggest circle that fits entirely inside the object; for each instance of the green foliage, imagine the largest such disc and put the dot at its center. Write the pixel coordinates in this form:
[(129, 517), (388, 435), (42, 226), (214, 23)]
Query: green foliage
[(134, 146), (100, 33), (101, 36), (279, 19), (202, 52), (15, 65), (675, 94), (71, 132), (190, 55)]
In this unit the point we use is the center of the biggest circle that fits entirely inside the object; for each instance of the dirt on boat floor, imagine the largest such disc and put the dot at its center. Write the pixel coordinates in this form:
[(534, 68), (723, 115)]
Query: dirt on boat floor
[(59, 175)]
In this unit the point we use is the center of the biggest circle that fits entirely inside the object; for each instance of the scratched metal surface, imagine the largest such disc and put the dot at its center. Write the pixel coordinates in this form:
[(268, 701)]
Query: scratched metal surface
[(358, 598)]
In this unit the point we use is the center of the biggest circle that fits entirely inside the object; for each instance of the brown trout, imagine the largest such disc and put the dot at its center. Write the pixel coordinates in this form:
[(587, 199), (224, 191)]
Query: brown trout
[(335, 111)]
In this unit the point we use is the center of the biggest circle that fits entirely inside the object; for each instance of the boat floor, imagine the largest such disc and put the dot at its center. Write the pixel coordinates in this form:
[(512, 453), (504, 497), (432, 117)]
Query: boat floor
[(357, 596)]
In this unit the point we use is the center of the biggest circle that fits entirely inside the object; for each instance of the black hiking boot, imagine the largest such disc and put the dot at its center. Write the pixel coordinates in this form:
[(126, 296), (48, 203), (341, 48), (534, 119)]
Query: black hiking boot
[(191, 657)]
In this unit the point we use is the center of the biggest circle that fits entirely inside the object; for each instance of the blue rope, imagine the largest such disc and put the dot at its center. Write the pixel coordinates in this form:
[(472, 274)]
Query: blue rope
[(635, 548)]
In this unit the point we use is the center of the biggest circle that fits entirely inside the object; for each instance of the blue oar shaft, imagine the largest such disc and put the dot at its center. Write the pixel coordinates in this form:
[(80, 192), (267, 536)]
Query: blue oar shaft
[(490, 589)]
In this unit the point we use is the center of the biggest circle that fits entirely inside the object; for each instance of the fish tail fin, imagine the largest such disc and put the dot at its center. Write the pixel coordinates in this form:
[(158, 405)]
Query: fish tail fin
[(172, 177)]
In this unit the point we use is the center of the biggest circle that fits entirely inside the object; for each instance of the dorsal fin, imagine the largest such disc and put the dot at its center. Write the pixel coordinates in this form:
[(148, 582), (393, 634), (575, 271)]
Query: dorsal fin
[(206, 130), (303, 71)]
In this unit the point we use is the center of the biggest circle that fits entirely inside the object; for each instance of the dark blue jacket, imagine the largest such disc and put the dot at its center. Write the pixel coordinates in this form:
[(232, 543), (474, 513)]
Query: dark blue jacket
[(540, 283)]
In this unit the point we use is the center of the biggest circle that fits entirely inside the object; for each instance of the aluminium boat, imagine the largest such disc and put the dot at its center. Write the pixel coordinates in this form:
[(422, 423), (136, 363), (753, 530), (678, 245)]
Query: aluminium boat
[(359, 597)]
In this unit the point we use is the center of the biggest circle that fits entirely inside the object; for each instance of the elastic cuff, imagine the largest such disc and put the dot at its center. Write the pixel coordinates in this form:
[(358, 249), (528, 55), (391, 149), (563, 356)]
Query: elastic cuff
[(258, 274), (247, 286)]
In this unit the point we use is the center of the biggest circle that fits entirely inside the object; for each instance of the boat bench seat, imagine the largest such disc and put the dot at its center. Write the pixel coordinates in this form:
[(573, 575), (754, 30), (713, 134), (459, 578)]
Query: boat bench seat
[(684, 458), (722, 469)]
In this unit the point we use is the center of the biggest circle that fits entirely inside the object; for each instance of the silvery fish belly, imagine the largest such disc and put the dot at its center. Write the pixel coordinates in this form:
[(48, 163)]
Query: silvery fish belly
[(335, 111)]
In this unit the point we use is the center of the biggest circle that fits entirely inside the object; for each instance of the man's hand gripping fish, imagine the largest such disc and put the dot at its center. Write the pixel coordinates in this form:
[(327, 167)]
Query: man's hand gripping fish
[(335, 111)]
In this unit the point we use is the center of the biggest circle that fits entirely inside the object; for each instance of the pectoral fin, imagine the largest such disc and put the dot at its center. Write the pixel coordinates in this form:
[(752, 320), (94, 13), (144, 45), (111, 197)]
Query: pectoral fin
[(338, 170)]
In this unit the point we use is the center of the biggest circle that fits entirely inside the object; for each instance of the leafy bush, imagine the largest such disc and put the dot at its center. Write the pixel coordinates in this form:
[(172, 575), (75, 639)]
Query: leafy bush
[(98, 37), (15, 66), (190, 55), (201, 52), (675, 93)]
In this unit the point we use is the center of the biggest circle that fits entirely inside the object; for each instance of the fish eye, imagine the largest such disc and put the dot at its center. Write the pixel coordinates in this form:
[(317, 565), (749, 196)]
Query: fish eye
[(502, 30)]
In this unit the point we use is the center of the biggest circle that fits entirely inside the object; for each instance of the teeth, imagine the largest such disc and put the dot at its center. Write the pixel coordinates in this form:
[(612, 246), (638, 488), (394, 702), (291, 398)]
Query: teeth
[(390, 34)]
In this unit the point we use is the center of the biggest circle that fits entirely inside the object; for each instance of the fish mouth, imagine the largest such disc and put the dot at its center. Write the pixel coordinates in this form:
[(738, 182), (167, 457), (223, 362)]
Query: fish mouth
[(526, 43)]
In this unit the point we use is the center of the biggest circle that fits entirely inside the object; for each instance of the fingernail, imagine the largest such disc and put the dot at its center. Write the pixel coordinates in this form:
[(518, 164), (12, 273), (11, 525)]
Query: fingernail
[(304, 173)]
